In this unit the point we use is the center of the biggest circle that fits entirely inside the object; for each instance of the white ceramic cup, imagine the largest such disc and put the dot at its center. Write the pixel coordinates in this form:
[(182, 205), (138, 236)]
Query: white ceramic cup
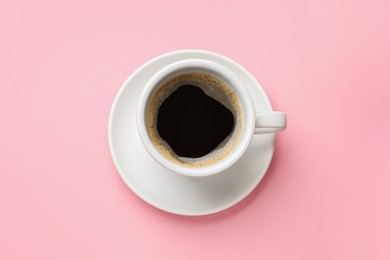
[(253, 122)]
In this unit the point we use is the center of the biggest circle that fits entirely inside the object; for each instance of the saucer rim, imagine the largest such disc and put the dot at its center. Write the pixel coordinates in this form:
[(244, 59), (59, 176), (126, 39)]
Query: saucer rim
[(139, 193)]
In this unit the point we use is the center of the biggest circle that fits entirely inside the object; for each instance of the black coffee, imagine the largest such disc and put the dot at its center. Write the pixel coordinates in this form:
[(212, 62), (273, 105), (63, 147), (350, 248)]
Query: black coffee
[(193, 123), (194, 119)]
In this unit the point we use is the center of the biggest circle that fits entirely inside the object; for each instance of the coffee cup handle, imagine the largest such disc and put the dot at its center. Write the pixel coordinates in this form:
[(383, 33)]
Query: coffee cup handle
[(270, 122)]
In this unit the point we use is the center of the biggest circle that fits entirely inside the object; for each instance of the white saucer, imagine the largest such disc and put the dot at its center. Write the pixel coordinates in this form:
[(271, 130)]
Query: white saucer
[(170, 191)]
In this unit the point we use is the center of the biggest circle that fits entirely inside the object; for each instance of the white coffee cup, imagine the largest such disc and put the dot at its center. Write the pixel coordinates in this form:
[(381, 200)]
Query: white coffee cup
[(252, 122)]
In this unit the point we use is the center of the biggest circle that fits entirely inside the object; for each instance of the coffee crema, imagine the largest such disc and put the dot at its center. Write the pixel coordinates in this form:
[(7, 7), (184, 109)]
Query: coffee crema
[(194, 119)]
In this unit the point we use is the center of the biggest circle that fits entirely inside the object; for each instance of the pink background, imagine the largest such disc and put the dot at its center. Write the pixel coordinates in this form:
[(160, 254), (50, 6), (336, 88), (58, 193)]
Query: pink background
[(325, 63)]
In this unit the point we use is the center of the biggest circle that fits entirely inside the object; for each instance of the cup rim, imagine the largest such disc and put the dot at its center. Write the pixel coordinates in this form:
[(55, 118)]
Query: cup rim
[(247, 109)]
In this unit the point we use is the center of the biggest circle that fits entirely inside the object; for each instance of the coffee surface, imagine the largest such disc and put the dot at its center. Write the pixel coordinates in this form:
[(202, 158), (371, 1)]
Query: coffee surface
[(193, 123), (194, 119)]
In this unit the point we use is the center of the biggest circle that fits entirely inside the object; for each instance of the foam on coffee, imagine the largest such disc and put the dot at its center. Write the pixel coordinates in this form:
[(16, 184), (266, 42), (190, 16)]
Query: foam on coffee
[(212, 87)]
